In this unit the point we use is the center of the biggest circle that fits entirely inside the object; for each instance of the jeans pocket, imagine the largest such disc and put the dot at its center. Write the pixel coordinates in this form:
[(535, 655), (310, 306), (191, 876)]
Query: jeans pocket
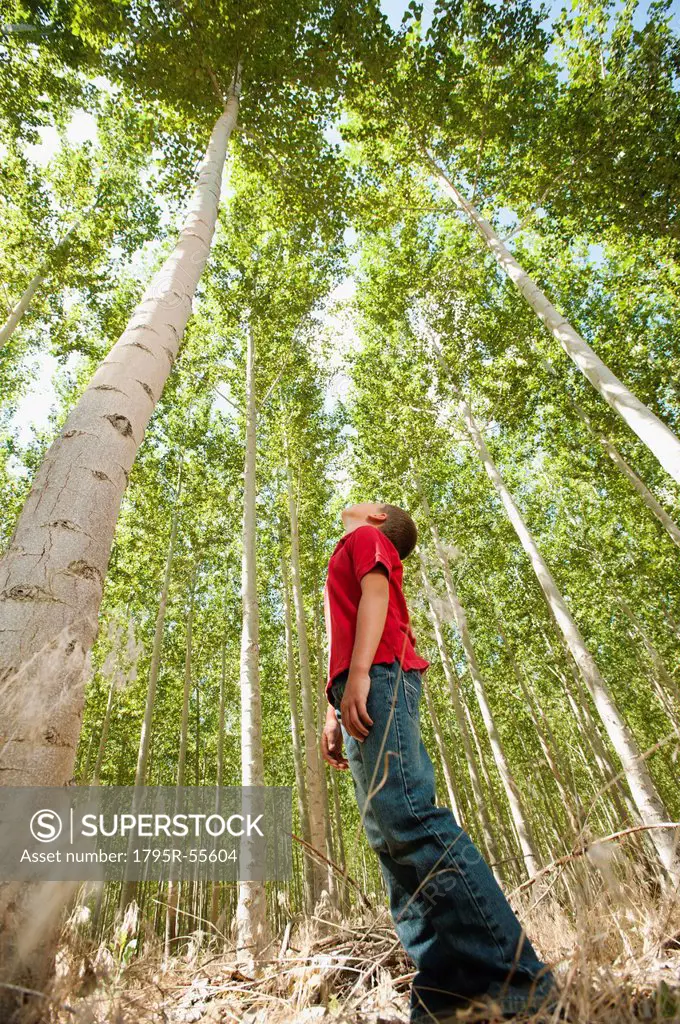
[(412, 689)]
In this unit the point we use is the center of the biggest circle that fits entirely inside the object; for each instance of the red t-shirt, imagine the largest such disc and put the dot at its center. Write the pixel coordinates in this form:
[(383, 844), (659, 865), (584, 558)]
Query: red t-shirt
[(354, 555)]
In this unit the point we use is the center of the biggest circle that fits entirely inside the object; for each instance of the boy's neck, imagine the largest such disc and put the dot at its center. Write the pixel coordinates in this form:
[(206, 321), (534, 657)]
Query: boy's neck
[(356, 526)]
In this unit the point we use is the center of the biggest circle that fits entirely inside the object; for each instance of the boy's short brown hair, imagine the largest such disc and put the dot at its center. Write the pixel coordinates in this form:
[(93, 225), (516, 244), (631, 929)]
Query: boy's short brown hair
[(400, 529)]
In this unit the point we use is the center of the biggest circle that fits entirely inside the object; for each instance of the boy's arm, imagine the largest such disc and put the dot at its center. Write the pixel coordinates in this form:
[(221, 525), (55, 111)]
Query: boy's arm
[(371, 615)]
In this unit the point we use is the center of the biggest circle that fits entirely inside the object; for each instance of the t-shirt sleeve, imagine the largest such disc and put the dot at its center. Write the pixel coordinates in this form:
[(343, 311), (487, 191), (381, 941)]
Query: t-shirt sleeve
[(369, 548)]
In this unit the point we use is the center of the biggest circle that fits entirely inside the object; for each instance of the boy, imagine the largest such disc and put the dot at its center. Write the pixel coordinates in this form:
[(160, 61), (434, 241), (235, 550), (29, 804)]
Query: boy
[(448, 910)]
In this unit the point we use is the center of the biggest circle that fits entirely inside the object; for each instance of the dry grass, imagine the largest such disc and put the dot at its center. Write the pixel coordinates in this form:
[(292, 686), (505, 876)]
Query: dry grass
[(614, 947)]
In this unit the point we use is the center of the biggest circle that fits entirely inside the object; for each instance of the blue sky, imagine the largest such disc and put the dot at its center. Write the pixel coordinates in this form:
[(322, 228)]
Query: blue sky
[(394, 9)]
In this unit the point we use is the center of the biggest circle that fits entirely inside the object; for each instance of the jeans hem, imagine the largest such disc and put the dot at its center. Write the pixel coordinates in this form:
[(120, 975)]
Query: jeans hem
[(511, 1004), (538, 997)]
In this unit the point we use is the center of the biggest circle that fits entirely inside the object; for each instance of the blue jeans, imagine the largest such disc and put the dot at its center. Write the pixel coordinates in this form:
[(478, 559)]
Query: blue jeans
[(449, 912)]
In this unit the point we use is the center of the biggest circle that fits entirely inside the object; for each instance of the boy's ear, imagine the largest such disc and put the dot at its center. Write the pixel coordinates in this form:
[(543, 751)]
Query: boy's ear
[(380, 516)]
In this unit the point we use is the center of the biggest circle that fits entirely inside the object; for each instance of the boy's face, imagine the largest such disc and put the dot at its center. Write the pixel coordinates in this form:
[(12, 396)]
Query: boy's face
[(358, 515)]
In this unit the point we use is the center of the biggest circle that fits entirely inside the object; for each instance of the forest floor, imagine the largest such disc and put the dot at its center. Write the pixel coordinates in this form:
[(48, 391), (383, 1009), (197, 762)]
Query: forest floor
[(617, 959)]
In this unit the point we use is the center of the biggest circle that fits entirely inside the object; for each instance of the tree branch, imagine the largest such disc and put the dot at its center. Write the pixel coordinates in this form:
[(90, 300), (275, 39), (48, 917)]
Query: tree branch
[(217, 88), (232, 404)]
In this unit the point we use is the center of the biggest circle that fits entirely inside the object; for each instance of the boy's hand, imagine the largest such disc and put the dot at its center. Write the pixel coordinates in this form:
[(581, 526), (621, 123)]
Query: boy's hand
[(355, 717), (331, 742)]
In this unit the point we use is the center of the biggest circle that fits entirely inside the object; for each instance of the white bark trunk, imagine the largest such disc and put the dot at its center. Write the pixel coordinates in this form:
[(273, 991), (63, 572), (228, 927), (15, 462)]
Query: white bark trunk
[(216, 886), (251, 919), (344, 893), (645, 795), (52, 575), (186, 693), (16, 313), (321, 704), (313, 760), (105, 732), (173, 886), (220, 726), (40, 276), (660, 440), (296, 733), (508, 835)]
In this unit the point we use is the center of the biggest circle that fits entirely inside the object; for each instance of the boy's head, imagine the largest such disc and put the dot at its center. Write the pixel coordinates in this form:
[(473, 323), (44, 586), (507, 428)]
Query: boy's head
[(390, 519)]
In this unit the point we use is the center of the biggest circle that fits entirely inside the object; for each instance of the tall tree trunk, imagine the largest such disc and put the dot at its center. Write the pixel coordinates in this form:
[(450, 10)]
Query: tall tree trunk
[(321, 702), (654, 506), (660, 440), (619, 809), (14, 316), (173, 886), (645, 795), (340, 892), (251, 919), (40, 276), (220, 726), (453, 683), (52, 575), (519, 816), (197, 722), (117, 680), (313, 760), (296, 734), (616, 787), (105, 731), (216, 888)]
